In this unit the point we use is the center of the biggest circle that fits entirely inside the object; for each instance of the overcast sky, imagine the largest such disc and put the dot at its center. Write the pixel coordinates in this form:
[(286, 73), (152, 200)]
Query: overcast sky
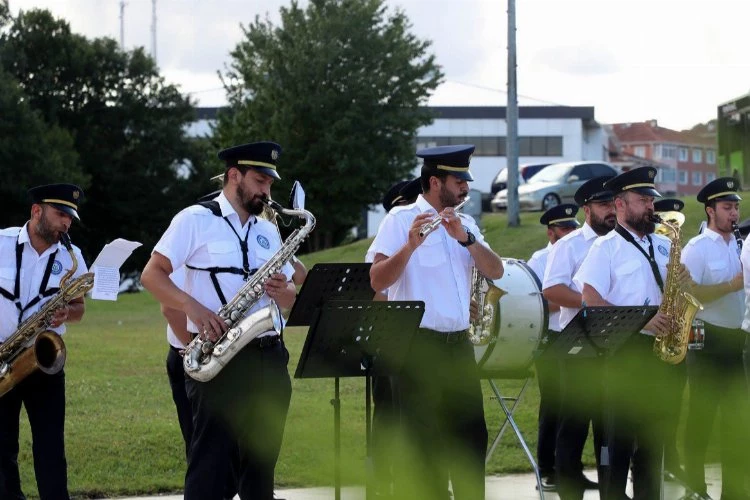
[(633, 60)]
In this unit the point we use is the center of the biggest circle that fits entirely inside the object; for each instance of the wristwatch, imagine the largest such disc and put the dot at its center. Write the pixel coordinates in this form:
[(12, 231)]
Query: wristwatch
[(470, 239)]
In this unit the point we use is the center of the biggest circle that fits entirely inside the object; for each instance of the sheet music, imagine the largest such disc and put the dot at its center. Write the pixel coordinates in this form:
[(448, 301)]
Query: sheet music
[(106, 268)]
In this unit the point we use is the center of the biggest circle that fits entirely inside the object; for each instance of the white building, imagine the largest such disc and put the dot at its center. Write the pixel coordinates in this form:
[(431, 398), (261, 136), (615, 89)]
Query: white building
[(546, 134)]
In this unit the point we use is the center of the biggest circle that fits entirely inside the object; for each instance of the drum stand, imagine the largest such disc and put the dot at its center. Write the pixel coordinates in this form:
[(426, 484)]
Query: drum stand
[(509, 420)]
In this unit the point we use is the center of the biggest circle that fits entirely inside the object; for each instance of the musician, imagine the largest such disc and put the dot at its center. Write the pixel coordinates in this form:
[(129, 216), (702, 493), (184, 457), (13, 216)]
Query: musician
[(440, 395), (385, 415), (579, 380), (716, 373), (673, 400), (33, 263), (243, 409), (560, 220), (628, 266)]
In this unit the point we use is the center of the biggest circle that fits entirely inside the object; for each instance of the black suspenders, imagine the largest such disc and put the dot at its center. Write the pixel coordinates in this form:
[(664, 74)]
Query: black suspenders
[(245, 271), (15, 297)]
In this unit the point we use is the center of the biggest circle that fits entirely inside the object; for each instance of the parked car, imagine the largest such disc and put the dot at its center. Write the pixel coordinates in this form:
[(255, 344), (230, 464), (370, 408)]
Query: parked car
[(553, 185), (526, 172)]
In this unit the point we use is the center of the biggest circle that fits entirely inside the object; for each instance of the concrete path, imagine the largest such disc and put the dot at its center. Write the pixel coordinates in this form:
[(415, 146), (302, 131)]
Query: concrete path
[(505, 487)]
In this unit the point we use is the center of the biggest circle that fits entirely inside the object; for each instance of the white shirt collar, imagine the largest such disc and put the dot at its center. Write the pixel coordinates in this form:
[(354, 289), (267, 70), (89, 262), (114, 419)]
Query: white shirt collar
[(227, 209), (717, 236), (424, 205), (588, 231)]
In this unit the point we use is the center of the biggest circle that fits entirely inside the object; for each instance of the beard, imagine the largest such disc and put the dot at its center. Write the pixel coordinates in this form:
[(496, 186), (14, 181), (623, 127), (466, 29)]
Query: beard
[(446, 198), (602, 225), (253, 204), (45, 231), (642, 224)]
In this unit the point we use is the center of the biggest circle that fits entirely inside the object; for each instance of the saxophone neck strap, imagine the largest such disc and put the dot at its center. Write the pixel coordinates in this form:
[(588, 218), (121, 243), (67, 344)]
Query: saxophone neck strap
[(649, 256), (215, 209), (213, 271)]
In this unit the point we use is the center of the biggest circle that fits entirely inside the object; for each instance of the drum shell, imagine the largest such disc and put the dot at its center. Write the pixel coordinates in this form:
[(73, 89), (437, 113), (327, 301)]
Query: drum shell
[(520, 322)]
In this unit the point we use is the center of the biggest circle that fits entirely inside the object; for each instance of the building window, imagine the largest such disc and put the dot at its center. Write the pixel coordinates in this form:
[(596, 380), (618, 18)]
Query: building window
[(683, 154), (666, 175), (640, 151), (710, 176), (697, 178), (496, 146), (711, 157), (697, 156), (683, 177)]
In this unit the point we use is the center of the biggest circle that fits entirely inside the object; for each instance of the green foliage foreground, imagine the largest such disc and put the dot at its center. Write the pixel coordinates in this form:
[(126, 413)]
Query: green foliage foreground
[(122, 435)]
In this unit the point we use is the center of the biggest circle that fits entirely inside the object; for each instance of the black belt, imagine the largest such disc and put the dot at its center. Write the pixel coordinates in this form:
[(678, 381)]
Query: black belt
[(258, 343), (444, 337)]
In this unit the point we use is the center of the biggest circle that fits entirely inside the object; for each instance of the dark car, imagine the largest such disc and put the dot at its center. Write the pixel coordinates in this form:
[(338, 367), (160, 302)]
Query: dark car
[(526, 171)]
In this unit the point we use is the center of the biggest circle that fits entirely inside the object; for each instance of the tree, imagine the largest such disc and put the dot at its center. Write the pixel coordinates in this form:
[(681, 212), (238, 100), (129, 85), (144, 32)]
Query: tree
[(340, 86), (31, 153), (126, 122)]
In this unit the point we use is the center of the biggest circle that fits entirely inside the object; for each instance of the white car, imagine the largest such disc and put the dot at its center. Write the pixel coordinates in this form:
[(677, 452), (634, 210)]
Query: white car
[(554, 184)]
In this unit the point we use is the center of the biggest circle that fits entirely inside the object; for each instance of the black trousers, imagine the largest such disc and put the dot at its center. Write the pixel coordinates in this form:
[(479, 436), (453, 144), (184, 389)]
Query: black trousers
[(176, 375), (239, 414), (637, 384), (385, 421), (43, 396), (443, 421), (581, 404), (716, 382), (548, 378)]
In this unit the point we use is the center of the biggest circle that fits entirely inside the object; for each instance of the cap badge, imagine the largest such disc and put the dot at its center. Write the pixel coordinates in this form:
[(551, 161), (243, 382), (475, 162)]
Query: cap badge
[(730, 184), (651, 174), (676, 206), (76, 194), (568, 211), (274, 154)]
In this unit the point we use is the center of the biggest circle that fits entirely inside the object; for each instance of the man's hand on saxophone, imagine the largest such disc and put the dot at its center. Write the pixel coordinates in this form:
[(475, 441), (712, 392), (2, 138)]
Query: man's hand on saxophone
[(211, 326), (659, 324), (283, 292)]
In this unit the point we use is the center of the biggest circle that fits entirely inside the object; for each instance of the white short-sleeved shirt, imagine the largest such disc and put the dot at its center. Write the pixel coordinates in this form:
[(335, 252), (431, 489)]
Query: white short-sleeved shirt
[(563, 262), (712, 260), (198, 238), (620, 273), (538, 264), (33, 266), (178, 278), (438, 272), (745, 259)]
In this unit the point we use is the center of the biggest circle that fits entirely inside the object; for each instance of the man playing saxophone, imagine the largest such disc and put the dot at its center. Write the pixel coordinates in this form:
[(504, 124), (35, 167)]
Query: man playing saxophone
[(243, 408), (629, 266), (33, 262), (716, 373)]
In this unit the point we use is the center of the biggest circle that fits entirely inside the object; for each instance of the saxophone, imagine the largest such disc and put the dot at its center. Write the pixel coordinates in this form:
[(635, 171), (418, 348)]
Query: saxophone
[(486, 295), (204, 359), (32, 346), (677, 304)]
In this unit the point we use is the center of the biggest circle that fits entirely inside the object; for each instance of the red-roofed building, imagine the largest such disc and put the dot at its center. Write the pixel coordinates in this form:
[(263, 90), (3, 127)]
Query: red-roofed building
[(686, 160)]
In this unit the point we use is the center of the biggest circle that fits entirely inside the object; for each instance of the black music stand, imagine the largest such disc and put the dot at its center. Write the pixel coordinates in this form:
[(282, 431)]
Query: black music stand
[(357, 338), (601, 331), (330, 282)]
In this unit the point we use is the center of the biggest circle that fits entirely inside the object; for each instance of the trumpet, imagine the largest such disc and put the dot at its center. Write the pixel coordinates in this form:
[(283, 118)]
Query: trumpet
[(433, 224)]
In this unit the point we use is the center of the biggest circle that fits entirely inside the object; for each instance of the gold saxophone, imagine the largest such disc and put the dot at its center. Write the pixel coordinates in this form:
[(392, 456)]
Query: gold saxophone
[(486, 295), (32, 346), (677, 304)]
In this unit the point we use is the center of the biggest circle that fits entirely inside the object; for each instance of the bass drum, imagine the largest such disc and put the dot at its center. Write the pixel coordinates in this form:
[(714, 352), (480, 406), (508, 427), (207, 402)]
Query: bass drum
[(519, 322)]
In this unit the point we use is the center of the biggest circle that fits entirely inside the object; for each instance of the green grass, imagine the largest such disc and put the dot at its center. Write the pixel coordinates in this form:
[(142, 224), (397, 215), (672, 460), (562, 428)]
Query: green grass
[(122, 435)]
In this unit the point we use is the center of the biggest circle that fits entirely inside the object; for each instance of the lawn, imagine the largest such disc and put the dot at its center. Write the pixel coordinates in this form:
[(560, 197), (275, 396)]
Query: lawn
[(122, 436)]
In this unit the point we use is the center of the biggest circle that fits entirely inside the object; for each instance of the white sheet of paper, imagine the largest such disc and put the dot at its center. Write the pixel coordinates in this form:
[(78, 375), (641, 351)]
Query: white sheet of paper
[(106, 268)]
